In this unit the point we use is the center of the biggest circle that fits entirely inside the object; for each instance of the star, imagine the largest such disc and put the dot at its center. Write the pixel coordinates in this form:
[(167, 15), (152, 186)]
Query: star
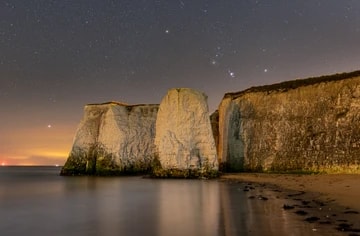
[(167, 31), (231, 73), (265, 70), (52, 99), (49, 126), (213, 62)]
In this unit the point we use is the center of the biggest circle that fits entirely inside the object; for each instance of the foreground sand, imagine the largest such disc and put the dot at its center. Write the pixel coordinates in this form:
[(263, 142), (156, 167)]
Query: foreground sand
[(343, 188), (330, 201)]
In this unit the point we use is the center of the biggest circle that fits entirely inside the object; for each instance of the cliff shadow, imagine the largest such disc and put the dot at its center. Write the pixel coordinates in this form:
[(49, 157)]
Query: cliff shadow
[(235, 144)]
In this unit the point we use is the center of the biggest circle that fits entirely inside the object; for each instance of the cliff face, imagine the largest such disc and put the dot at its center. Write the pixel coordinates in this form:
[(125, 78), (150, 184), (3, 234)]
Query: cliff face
[(113, 138), (307, 125), (302, 125), (184, 140), (214, 120)]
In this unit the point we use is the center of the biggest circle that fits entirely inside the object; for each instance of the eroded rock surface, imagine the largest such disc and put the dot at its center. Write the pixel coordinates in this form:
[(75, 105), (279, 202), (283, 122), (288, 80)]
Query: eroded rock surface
[(184, 140), (302, 125), (112, 139)]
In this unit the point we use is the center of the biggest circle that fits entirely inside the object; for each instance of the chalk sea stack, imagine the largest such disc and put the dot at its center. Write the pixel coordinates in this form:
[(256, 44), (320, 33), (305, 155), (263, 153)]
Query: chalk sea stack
[(184, 140), (113, 139), (302, 125)]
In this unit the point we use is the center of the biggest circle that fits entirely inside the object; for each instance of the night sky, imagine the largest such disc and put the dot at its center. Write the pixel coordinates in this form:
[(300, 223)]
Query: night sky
[(58, 55)]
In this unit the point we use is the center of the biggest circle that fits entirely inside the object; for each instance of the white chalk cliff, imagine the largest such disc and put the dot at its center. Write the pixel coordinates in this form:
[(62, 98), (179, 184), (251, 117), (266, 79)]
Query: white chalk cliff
[(184, 140), (301, 125), (113, 138)]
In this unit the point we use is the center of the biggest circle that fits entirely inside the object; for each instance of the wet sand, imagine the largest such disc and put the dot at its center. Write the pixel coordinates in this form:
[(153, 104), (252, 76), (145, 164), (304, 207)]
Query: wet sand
[(322, 200)]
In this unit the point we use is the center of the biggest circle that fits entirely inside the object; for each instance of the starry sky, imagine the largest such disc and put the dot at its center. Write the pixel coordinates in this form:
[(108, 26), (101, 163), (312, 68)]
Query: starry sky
[(58, 55)]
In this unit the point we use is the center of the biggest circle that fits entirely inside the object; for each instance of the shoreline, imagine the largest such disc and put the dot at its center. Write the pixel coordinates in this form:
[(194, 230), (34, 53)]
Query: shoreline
[(341, 187), (324, 200)]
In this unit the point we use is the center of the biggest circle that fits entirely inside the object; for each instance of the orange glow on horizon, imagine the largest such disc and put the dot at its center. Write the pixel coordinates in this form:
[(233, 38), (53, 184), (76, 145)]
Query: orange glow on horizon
[(34, 157), (3, 164), (36, 145)]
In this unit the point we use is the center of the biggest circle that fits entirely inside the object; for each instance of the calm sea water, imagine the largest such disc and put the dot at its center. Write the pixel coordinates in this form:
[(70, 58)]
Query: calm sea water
[(37, 201)]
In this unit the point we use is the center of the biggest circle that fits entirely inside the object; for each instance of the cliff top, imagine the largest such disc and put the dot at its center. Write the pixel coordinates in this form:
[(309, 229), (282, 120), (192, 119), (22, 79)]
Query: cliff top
[(293, 84), (120, 104)]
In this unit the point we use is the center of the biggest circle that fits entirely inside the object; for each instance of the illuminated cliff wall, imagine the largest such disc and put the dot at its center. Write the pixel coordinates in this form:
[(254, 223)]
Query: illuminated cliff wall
[(306, 125)]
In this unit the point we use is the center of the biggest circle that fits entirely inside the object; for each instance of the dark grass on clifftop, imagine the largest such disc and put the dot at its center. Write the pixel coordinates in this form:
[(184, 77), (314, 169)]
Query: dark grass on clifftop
[(121, 104), (294, 84)]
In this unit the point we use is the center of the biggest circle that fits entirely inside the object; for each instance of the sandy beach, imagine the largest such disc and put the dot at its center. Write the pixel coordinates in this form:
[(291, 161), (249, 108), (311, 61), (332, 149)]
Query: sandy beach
[(326, 200)]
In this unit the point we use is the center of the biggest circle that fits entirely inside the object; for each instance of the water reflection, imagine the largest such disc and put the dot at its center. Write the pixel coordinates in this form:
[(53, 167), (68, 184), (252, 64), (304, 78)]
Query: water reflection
[(188, 208), (54, 205), (136, 206), (249, 214)]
